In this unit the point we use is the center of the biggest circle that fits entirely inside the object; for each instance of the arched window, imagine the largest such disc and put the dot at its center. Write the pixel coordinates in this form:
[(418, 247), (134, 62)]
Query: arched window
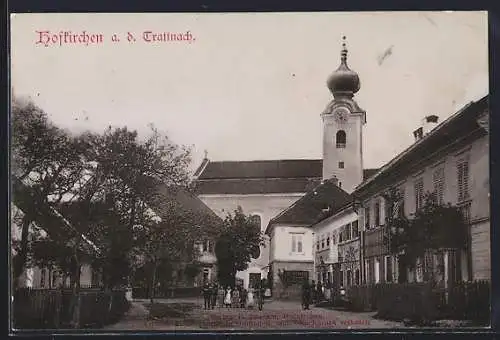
[(256, 219), (340, 139)]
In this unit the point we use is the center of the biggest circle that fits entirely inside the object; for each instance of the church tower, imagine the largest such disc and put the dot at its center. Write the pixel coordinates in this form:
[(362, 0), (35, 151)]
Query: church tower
[(343, 122)]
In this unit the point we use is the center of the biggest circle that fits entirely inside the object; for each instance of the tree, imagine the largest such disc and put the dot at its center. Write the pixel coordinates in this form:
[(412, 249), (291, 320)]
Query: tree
[(433, 227), (239, 241), (126, 176), (44, 158)]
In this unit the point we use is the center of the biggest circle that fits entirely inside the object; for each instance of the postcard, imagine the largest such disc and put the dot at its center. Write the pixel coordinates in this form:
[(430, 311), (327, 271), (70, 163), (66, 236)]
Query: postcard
[(249, 171)]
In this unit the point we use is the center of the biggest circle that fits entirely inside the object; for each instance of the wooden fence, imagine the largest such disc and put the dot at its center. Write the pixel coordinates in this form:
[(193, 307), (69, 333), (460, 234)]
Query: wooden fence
[(421, 301), (50, 308), (167, 292)]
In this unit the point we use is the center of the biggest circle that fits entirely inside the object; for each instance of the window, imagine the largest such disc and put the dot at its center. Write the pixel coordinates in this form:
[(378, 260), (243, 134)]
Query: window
[(297, 243), (341, 139), (256, 220), (355, 229), (294, 276), (340, 184), (377, 214), (341, 165), (323, 242), (333, 239), (388, 269), (419, 193), (357, 277), (206, 245), (367, 217), (206, 275), (348, 232), (317, 242), (438, 181), (43, 273), (463, 180), (328, 240), (341, 277), (349, 277), (341, 235)]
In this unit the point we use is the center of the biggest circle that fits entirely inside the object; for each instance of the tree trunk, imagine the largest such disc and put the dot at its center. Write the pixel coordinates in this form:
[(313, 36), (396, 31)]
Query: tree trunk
[(19, 265), (153, 283), (76, 298)]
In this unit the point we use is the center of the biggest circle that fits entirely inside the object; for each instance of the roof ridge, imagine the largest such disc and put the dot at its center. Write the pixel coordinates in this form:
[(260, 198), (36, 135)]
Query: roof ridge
[(412, 146)]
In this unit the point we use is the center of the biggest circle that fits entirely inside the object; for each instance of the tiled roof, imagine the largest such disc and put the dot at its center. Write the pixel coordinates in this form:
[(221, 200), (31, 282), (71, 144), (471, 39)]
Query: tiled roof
[(289, 168), (261, 177), (308, 209), (200, 213), (256, 185)]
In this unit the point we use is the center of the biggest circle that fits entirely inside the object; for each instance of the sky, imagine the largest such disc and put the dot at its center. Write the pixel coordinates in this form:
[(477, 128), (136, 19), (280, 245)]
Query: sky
[(252, 86)]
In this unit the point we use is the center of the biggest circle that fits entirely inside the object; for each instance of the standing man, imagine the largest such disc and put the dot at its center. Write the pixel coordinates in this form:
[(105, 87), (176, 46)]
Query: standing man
[(313, 291), (306, 294), (206, 295)]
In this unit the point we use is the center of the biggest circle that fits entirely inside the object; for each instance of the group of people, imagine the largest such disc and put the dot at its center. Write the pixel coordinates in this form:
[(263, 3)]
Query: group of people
[(215, 295), (315, 292)]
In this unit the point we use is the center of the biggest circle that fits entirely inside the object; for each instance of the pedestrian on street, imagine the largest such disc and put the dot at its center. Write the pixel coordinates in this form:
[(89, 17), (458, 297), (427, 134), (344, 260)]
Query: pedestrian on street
[(227, 298), (306, 295), (319, 292), (214, 295), (220, 296), (235, 299), (328, 290), (206, 295), (243, 298), (260, 295), (250, 298), (313, 291)]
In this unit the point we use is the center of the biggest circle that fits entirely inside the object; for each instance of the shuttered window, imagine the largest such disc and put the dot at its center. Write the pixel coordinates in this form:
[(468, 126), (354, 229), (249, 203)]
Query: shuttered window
[(419, 193), (438, 181), (463, 180)]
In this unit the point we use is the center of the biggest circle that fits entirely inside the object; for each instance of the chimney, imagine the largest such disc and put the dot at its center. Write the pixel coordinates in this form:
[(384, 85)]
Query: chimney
[(418, 134), (429, 123)]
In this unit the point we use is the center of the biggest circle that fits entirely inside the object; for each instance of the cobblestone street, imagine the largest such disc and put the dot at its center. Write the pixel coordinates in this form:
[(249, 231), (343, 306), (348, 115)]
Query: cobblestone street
[(276, 315)]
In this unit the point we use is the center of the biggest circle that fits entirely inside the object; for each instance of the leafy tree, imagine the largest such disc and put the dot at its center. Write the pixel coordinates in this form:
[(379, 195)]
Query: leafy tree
[(239, 241), (47, 160), (433, 227)]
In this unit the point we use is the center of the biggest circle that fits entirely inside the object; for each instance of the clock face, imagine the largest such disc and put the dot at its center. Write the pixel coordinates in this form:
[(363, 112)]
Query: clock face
[(341, 114)]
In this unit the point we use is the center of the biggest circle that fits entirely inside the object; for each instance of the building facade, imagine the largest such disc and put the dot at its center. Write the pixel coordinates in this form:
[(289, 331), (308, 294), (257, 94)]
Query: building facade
[(261, 188), (452, 162)]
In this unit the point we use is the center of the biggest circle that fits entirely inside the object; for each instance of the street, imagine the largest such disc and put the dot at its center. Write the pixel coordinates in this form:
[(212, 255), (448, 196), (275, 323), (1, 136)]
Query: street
[(188, 314)]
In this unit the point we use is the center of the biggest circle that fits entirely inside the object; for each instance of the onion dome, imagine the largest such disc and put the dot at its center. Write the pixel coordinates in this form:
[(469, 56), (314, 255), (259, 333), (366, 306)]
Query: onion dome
[(344, 81)]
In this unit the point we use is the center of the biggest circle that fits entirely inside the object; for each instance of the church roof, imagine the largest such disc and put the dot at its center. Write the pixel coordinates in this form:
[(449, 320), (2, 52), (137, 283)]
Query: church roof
[(287, 168), (310, 208), (261, 177)]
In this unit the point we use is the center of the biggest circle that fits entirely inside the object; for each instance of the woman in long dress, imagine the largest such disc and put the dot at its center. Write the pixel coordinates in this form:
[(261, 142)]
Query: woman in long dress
[(220, 296), (227, 299), (250, 298), (236, 298), (328, 291)]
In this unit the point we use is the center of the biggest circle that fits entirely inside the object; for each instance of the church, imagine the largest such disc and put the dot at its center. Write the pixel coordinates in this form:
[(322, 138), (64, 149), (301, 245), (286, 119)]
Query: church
[(268, 188), (327, 219)]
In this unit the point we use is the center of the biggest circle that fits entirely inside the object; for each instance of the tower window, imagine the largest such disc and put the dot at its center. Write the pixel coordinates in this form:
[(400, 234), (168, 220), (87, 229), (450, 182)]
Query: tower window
[(341, 165), (340, 139)]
